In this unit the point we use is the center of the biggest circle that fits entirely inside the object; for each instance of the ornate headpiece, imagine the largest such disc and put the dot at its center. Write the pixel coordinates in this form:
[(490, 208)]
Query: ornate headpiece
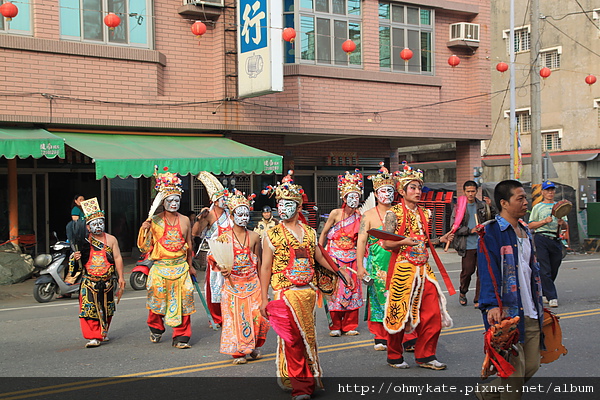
[(350, 183), (91, 209), (286, 190), (213, 186), (167, 183), (407, 174), (383, 178), (237, 198)]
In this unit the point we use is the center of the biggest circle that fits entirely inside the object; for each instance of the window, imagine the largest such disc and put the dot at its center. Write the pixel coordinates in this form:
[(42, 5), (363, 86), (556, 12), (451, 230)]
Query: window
[(523, 116), (552, 140), (323, 26), (83, 20), (550, 57), (597, 106), (21, 24), (405, 26), (522, 39)]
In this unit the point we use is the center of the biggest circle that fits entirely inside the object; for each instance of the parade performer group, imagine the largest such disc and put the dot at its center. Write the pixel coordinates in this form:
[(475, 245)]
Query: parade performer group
[(244, 328), (288, 265), (167, 236), (415, 301), (102, 259), (340, 233), (212, 223)]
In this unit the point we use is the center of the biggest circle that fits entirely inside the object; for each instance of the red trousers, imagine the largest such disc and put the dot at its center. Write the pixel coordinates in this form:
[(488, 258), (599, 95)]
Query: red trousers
[(381, 335), (91, 328), (214, 308), (157, 325), (344, 320), (301, 377), (428, 331)]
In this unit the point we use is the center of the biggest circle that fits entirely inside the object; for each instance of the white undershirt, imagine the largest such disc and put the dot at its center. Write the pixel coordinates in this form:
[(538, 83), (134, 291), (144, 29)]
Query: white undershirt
[(524, 271)]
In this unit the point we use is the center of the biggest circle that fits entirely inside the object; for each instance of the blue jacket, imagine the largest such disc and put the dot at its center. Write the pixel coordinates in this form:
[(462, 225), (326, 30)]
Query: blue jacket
[(501, 243)]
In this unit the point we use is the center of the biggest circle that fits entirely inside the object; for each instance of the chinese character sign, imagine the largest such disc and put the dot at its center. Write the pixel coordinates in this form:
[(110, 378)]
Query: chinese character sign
[(253, 25)]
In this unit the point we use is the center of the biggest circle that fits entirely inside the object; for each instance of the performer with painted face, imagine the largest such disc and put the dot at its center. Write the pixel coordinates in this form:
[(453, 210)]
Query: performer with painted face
[(340, 233), (170, 290), (244, 328), (415, 300), (102, 259), (289, 254), (212, 223)]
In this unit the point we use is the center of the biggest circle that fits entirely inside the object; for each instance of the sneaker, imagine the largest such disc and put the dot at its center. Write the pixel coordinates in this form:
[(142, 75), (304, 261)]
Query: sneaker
[(380, 347), (255, 354), (93, 343), (553, 303), (155, 337), (238, 361), (335, 333), (403, 365), (352, 333), (433, 364), (545, 300), (182, 345)]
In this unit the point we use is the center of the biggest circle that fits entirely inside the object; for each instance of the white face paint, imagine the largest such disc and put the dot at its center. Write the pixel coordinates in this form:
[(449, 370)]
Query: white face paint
[(385, 194), (97, 226), (172, 203), (286, 209), (353, 199), (220, 202), (241, 216)]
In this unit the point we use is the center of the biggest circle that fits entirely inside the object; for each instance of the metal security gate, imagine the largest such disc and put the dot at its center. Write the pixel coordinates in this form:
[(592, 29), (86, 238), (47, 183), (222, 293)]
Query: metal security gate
[(327, 196)]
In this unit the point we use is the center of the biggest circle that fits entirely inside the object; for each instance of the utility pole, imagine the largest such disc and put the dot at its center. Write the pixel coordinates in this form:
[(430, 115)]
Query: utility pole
[(512, 91), (535, 96)]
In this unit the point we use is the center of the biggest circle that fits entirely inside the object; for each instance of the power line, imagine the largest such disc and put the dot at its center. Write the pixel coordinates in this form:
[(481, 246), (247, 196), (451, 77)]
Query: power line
[(579, 43)]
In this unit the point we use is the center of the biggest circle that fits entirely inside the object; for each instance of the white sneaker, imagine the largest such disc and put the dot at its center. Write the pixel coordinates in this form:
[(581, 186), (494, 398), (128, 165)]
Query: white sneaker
[(335, 333), (553, 303), (403, 365), (433, 364), (93, 343), (380, 347), (352, 333)]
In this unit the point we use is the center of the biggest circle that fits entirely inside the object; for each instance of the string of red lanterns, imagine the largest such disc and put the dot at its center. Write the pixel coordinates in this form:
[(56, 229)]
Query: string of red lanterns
[(112, 20), (9, 11)]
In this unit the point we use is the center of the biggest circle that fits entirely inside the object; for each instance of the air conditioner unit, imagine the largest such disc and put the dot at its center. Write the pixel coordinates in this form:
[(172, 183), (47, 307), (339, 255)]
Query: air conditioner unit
[(212, 3), (464, 31)]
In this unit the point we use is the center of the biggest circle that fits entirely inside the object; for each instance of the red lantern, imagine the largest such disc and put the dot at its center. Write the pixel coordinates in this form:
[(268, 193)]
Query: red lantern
[(406, 54), (349, 46), (198, 28), (545, 72), (590, 79), (502, 67), (289, 35), (112, 20), (453, 60), (9, 11)]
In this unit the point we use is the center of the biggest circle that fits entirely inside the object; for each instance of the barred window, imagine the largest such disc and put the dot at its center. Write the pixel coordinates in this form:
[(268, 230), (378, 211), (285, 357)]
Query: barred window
[(522, 39), (405, 26), (523, 122), (324, 25), (550, 58), (552, 140)]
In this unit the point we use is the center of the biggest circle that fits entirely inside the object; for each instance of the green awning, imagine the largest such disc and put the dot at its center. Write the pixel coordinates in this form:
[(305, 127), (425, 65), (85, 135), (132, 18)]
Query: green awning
[(36, 143), (136, 155)]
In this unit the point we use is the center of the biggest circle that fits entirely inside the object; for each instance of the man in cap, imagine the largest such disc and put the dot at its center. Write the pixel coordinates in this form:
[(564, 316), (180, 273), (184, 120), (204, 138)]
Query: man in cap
[(547, 241), (103, 259), (415, 300), (340, 233), (266, 223), (170, 290), (289, 254)]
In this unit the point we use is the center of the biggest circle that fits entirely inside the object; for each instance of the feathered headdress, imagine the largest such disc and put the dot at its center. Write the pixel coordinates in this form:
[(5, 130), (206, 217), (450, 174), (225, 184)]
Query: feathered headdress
[(350, 183), (167, 183), (382, 178), (213, 186), (91, 209), (406, 175), (286, 190), (237, 198)]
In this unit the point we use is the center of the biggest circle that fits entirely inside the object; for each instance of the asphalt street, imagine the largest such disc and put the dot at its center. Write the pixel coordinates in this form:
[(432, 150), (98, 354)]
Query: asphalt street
[(44, 341)]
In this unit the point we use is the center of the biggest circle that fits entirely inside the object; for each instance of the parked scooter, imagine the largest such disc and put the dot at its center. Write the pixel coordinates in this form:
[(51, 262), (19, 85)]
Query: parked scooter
[(51, 272), (139, 274)]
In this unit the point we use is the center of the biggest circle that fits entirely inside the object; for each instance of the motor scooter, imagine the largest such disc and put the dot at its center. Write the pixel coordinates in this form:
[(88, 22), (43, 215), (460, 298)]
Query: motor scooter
[(139, 274), (51, 272)]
